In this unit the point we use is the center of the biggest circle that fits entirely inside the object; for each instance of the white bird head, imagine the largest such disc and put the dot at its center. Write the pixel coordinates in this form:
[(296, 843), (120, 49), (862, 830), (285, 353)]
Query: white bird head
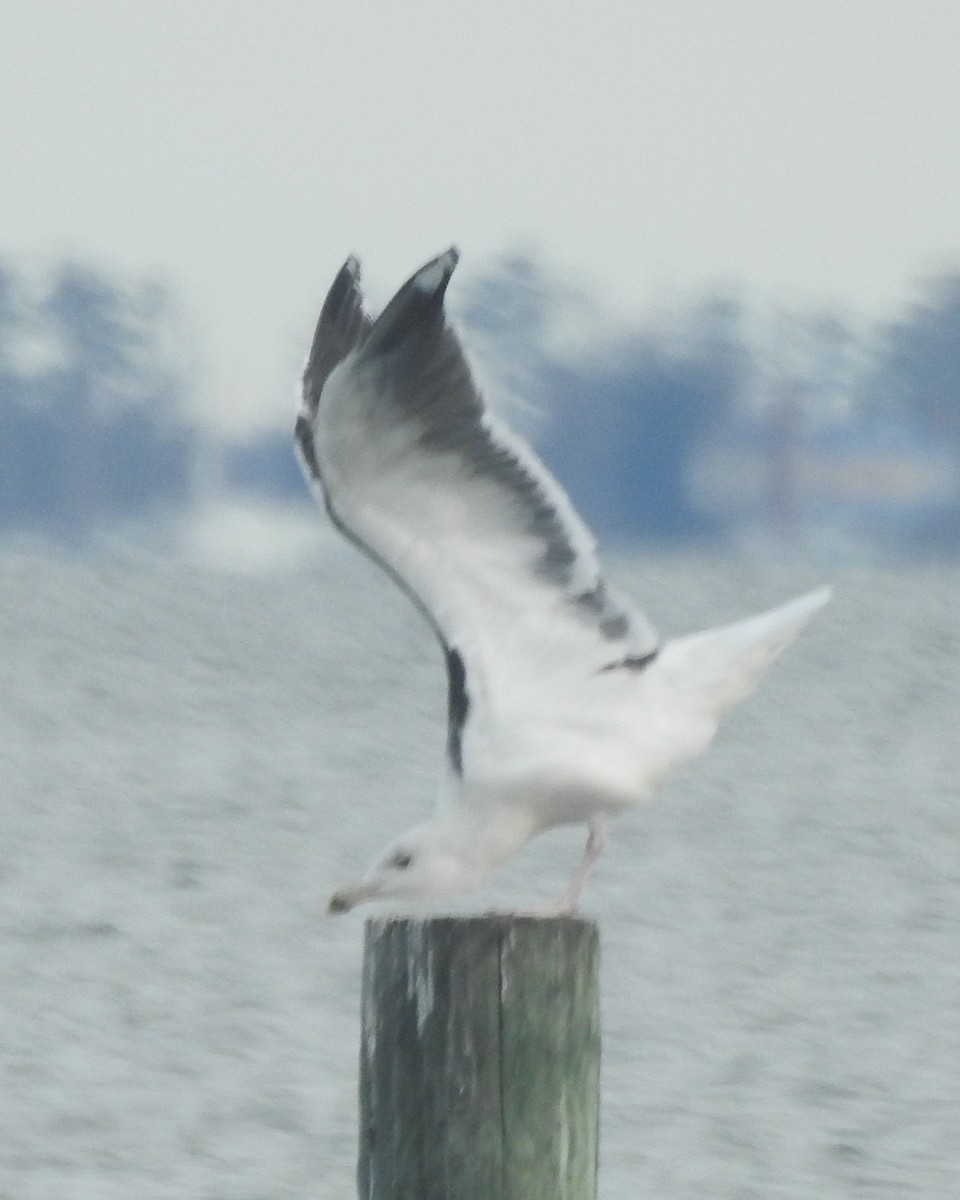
[(453, 853), (427, 861)]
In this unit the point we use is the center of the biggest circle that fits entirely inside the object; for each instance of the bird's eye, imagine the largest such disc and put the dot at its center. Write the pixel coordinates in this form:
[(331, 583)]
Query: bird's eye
[(401, 860)]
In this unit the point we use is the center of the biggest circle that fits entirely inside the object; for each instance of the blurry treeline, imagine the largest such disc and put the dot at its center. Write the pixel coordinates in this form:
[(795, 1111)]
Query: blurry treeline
[(712, 420), (93, 403), (706, 422)]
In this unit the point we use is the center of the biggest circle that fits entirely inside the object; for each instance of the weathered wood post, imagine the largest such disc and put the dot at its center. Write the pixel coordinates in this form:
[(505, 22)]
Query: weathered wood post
[(480, 1059)]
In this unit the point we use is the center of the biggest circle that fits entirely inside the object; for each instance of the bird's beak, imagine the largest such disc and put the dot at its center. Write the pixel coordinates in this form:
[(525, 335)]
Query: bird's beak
[(347, 898)]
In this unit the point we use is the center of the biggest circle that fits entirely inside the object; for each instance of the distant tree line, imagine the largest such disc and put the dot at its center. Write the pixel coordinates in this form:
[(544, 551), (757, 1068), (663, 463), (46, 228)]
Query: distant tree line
[(96, 423), (623, 424), (92, 407), (620, 422)]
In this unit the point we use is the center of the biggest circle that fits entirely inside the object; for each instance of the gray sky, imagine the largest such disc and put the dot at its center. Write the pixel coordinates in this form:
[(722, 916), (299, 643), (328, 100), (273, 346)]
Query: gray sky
[(239, 149)]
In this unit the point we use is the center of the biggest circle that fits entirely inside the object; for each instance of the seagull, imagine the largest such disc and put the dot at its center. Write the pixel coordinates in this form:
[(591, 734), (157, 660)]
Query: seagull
[(564, 706)]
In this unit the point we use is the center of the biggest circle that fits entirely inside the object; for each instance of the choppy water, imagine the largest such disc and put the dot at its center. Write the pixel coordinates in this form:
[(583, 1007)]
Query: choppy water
[(191, 761)]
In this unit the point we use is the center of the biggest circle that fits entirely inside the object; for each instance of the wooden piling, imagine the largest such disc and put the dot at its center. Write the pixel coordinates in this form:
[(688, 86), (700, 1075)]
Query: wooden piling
[(479, 1061)]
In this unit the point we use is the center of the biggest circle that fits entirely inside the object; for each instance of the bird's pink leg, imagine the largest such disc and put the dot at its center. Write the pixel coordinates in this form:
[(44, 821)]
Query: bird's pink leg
[(595, 845)]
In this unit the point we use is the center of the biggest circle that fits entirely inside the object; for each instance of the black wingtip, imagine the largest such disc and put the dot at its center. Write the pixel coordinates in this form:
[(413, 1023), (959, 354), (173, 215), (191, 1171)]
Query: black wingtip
[(434, 276), (415, 314), (341, 326), (344, 292), (348, 277)]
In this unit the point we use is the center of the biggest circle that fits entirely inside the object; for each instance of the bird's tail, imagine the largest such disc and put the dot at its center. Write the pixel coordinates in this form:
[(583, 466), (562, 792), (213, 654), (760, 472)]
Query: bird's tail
[(724, 665)]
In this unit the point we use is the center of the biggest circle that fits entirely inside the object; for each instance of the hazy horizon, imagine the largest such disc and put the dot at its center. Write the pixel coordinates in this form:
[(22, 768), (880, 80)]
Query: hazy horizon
[(803, 154)]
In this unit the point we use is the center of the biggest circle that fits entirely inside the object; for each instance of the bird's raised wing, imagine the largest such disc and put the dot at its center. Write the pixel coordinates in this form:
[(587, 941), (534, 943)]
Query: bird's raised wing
[(413, 468), (341, 327)]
